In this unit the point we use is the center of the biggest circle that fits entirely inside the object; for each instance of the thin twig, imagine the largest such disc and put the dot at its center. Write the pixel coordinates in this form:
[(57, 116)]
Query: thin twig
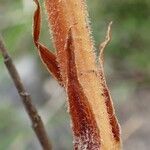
[(37, 123)]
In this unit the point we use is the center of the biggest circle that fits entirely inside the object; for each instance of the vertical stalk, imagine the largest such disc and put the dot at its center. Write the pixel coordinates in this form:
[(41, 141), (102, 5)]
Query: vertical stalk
[(93, 118)]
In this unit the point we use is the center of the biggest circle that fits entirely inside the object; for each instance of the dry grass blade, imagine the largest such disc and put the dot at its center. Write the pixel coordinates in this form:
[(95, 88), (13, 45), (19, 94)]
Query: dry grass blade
[(105, 43)]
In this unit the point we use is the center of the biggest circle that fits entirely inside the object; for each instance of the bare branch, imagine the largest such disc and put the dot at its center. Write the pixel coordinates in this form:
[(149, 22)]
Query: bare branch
[(37, 123)]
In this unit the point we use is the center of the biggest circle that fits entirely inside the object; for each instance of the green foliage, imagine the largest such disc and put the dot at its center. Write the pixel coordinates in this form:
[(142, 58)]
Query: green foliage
[(13, 34)]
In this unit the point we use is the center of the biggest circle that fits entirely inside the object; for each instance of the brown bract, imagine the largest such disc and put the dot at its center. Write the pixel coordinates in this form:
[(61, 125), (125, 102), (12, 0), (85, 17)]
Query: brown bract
[(93, 118), (86, 132), (48, 58)]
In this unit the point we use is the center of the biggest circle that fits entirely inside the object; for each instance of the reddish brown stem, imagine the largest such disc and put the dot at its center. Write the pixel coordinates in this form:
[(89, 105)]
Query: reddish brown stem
[(89, 99)]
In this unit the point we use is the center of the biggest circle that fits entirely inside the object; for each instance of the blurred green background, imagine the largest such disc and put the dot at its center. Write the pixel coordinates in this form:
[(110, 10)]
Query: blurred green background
[(127, 68)]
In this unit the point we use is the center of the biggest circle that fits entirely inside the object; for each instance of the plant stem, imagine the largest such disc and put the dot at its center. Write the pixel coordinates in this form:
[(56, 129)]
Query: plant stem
[(36, 120)]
